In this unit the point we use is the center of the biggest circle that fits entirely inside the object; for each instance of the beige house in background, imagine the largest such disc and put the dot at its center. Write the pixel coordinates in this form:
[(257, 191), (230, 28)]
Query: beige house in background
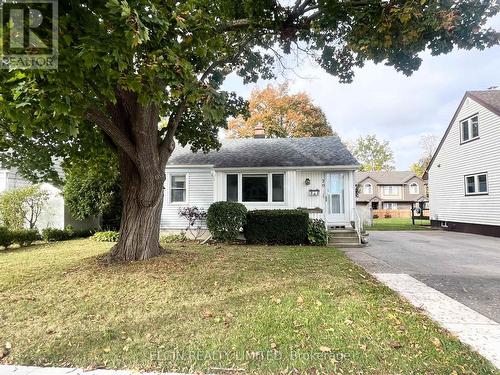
[(391, 191)]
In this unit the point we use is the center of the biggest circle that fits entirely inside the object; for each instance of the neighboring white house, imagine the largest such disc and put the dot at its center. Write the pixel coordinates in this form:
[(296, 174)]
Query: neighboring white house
[(314, 174), (464, 174), (55, 213)]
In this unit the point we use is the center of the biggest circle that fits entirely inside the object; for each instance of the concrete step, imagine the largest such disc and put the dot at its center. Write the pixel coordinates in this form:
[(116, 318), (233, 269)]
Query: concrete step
[(346, 245), (343, 234), (343, 239)]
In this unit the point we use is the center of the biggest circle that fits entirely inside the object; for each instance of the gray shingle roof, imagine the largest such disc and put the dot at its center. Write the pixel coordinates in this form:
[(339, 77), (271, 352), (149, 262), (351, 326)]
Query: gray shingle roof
[(386, 177), (269, 152), (489, 98)]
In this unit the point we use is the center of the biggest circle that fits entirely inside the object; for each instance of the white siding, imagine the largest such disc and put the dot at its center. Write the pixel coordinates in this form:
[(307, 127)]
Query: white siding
[(454, 160), (199, 193), (296, 190), (3, 180)]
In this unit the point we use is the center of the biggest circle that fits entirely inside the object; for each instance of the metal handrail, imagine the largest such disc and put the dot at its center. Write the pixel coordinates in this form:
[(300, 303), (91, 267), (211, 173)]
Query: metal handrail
[(358, 225)]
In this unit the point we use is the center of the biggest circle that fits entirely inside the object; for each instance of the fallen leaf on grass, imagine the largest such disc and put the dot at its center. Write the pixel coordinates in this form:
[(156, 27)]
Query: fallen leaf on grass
[(4, 352), (300, 300), (207, 314), (106, 350), (324, 349), (395, 345), (436, 342)]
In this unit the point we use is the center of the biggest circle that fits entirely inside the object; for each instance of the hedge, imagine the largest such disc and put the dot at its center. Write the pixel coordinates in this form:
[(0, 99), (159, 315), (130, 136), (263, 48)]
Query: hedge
[(22, 237), (277, 227), (54, 234)]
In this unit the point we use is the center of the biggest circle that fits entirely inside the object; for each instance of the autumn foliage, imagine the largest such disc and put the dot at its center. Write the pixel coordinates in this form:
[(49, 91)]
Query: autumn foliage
[(281, 114)]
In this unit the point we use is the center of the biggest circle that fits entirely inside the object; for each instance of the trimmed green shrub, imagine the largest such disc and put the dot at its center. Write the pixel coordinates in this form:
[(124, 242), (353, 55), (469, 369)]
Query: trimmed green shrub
[(109, 236), (317, 235), (273, 227), (225, 219), (54, 234), (25, 237), (6, 238)]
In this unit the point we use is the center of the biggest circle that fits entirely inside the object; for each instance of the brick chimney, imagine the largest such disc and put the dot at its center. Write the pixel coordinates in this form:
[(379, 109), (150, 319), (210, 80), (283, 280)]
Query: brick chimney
[(259, 132)]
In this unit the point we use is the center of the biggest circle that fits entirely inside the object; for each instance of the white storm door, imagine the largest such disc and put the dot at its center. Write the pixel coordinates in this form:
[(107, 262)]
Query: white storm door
[(335, 196)]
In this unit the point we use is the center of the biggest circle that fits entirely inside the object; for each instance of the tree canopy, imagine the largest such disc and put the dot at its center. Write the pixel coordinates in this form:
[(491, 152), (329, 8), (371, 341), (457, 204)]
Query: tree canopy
[(281, 114), (123, 64), (374, 155), (428, 144)]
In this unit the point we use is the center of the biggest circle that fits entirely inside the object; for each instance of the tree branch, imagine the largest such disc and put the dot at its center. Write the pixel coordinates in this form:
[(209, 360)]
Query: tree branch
[(167, 145), (113, 132)]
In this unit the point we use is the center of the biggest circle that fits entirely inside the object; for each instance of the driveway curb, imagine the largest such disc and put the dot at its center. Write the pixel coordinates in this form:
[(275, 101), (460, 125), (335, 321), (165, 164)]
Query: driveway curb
[(472, 328)]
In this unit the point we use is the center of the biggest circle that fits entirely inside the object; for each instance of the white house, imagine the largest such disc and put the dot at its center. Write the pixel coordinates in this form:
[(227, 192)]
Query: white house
[(314, 174), (464, 174), (55, 214)]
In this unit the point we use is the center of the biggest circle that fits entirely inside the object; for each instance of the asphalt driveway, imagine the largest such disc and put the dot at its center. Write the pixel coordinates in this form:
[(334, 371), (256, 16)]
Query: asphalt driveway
[(465, 267)]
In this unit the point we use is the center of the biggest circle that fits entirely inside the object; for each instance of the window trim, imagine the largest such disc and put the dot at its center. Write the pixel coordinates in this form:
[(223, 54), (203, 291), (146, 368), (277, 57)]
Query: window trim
[(170, 188), (418, 188), (371, 188), (476, 184), (391, 195), (269, 187), (469, 126)]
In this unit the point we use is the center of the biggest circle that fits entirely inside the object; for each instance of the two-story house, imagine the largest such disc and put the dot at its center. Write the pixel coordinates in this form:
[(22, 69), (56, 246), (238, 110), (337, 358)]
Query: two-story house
[(464, 174), (389, 190)]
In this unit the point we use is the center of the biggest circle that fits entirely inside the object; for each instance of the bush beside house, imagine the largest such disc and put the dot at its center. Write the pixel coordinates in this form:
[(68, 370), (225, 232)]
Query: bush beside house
[(225, 220), (317, 235), (287, 227)]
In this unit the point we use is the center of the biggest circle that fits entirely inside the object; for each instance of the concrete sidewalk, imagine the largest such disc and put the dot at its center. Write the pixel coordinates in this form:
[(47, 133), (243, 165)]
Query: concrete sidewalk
[(472, 328), (32, 370)]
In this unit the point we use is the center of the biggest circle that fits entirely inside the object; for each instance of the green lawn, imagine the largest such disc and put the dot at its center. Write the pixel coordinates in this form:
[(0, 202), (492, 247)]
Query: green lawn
[(256, 308), (398, 224)]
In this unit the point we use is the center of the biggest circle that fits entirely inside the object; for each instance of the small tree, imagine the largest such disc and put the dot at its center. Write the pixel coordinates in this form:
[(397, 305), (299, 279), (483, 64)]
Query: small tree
[(92, 189), (428, 143), (195, 217), (374, 155), (23, 205)]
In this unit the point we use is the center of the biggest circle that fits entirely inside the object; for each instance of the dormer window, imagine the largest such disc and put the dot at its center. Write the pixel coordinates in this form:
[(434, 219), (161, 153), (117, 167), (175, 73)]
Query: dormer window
[(414, 188), (469, 128), (368, 189)]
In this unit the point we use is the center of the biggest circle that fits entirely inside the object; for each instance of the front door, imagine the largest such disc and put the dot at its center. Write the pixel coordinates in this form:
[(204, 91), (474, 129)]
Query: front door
[(335, 191)]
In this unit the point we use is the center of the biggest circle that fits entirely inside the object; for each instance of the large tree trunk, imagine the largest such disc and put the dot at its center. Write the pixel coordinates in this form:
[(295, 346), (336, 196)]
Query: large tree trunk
[(140, 221), (142, 159)]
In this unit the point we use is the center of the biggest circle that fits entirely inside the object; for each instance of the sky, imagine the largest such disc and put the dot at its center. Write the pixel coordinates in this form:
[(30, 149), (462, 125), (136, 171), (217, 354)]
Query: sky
[(392, 106)]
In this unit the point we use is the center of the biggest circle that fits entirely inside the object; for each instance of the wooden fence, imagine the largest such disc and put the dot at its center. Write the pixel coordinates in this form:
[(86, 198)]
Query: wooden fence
[(392, 213)]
